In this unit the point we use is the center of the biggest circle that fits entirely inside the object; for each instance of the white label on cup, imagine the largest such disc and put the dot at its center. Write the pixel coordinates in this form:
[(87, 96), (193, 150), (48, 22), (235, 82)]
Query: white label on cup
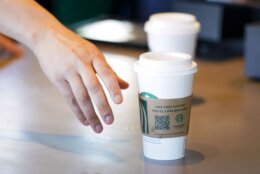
[(164, 118)]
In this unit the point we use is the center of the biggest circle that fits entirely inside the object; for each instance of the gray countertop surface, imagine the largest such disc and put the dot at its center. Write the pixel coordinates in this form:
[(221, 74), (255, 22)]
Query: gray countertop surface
[(39, 134)]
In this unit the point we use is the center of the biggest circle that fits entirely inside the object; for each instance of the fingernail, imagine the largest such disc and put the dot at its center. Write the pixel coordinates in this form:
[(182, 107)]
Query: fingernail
[(109, 119), (118, 98), (98, 128)]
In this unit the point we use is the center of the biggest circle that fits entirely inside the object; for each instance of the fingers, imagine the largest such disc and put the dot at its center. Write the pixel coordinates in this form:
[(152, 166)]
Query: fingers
[(66, 90), (110, 79), (85, 103), (96, 93), (83, 89)]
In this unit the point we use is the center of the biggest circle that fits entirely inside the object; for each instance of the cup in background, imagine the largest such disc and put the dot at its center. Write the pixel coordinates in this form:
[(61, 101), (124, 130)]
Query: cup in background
[(165, 92), (172, 32)]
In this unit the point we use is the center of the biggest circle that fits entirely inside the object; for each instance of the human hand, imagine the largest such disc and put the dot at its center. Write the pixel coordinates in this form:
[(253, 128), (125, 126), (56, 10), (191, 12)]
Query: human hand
[(9, 47), (73, 64)]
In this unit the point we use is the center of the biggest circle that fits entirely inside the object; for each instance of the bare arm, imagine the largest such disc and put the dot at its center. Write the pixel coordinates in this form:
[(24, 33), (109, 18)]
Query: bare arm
[(26, 21), (70, 62)]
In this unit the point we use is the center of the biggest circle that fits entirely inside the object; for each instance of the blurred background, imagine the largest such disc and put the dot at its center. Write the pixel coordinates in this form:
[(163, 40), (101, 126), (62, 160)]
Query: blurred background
[(228, 27)]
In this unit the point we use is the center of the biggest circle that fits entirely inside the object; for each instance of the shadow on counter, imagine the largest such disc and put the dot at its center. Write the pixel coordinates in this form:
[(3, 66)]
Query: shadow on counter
[(172, 166), (191, 157), (69, 143)]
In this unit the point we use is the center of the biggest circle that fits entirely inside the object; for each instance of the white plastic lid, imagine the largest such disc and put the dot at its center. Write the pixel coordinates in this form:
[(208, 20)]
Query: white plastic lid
[(166, 62), (172, 23)]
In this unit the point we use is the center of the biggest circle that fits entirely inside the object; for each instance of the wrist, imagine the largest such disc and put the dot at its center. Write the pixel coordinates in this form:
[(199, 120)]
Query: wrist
[(45, 36)]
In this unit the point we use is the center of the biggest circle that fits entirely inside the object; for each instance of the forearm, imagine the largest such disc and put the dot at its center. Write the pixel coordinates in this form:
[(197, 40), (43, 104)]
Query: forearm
[(27, 21)]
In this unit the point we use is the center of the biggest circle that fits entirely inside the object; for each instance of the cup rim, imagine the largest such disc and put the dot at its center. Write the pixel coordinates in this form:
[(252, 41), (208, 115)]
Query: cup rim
[(172, 25), (168, 63)]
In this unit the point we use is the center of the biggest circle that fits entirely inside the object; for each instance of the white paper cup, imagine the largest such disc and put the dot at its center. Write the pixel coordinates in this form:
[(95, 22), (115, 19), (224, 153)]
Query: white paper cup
[(165, 91), (172, 32)]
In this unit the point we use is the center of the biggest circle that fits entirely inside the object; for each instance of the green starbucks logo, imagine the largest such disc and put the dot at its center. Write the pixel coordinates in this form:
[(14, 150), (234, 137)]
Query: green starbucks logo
[(179, 118), (144, 111)]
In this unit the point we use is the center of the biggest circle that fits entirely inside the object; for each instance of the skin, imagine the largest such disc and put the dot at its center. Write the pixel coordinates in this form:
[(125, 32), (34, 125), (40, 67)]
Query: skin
[(71, 63), (9, 46)]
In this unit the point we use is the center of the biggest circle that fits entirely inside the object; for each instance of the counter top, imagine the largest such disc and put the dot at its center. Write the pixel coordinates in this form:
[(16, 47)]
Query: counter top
[(39, 134)]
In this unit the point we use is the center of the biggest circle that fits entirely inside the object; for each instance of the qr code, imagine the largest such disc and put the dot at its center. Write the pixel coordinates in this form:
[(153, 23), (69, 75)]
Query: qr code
[(162, 122)]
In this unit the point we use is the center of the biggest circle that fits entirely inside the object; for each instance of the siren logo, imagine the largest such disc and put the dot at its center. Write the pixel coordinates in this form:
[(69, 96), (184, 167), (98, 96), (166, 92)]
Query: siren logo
[(144, 111), (179, 118)]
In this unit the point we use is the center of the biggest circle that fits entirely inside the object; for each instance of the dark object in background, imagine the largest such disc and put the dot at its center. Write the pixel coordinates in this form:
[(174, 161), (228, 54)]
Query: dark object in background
[(46, 4), (144, 8), (252, 50), (222, 25), (71, 11), (218, 21)]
